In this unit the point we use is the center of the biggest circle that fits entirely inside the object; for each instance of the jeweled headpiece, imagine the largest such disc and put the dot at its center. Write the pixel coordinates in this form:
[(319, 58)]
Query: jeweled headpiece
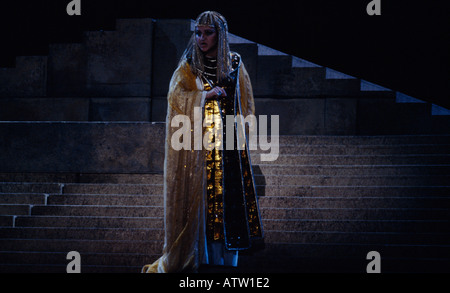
[(216, 20)]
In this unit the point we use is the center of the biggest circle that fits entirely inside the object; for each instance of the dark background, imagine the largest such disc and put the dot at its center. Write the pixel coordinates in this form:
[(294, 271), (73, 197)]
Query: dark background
[(405, 49)]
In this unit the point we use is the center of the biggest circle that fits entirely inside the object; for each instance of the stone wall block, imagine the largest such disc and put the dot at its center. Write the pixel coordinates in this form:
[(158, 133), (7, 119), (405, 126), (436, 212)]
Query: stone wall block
[(27, 79)]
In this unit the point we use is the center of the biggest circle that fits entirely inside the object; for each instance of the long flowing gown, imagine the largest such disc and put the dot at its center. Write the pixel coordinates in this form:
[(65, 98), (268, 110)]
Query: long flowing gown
[(209, 195)]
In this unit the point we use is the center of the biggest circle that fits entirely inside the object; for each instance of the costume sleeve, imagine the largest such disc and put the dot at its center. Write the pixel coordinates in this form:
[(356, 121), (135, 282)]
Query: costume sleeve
[(183, 183), (184, 91)]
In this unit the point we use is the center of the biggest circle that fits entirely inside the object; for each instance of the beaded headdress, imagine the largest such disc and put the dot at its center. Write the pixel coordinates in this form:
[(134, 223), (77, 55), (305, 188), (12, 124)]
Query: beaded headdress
[(193, 52)]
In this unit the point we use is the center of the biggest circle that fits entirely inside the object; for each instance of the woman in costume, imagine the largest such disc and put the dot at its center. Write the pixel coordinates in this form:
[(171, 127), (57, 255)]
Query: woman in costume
[(211, 209)]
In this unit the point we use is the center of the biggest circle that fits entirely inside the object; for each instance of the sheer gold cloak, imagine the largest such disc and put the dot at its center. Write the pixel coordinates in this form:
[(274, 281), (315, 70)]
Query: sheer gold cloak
[(184, 176)]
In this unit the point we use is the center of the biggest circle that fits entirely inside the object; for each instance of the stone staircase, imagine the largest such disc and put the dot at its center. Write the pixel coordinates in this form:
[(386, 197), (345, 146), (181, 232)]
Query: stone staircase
[(325, 204), (361, 167), (115, 227), (329, 200)]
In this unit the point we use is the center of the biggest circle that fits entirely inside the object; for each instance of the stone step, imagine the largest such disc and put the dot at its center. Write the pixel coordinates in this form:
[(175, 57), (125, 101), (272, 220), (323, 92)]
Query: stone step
[(22, 198), (26, 187), (87, 258), (107, 200), (368, 180), (85, 233), (345, 170), (98, 211), (14, 209), (371, 149), (360, 140), (138, 189), (416, 214), (356, 160), (353, 191), (354, 202), (348, 237), (6, 221), (358, 225), (93, 222), (82, 178), (147, 246)]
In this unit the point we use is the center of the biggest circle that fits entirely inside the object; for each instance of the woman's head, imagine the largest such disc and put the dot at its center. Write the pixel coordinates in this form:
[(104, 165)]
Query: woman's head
[(210, 27), (206, 39), (210, 38)]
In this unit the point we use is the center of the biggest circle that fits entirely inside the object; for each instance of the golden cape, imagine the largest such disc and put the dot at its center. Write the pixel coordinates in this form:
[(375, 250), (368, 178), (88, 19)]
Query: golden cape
[(184, 176)]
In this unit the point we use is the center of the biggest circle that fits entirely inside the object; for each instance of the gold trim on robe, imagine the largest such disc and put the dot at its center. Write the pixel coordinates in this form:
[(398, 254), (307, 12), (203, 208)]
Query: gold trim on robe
[(214, 173)]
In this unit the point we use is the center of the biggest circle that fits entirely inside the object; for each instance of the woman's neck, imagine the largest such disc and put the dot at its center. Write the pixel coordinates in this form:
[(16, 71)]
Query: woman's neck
[(211, 53)]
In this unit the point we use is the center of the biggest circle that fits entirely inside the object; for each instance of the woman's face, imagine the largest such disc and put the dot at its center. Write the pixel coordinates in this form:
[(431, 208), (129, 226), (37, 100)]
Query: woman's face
[(206, 37)]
